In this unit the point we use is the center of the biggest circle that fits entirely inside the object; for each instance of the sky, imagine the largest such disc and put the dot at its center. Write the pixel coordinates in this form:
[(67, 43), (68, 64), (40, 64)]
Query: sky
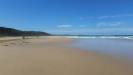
[(95, 17)]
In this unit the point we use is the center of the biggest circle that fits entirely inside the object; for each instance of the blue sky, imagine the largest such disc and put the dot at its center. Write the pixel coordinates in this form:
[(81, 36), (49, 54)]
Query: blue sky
[(69, 16)]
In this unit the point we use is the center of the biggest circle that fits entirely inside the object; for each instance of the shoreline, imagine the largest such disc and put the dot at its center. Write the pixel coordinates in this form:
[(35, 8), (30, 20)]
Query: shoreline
[(48, 55)]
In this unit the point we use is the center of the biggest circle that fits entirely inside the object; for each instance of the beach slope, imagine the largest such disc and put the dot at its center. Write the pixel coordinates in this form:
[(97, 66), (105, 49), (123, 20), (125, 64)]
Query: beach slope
[(51, 56)]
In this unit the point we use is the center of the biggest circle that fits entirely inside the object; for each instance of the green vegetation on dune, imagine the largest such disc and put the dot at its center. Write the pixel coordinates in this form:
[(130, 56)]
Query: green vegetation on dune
[(14, 32)]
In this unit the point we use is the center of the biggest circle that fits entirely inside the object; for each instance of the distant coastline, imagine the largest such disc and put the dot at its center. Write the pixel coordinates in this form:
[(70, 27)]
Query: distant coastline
[(4, 31)]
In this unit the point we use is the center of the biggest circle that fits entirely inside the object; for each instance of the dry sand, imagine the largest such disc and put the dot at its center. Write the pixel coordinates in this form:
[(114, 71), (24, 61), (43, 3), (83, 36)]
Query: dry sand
[(49, 56)]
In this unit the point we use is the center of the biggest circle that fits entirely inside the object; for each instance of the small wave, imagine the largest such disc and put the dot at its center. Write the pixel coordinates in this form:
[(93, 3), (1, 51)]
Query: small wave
[(104, 37)]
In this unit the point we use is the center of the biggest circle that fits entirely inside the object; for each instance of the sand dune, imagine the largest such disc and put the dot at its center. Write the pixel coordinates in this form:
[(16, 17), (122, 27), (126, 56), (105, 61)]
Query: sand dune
[(49, 56)]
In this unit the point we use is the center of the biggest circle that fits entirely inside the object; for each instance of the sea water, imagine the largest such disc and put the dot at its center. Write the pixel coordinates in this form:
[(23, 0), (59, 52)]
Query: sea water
[(120, 46)]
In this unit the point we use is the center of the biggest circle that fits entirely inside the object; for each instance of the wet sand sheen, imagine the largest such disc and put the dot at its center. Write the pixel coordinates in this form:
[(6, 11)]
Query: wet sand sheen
[(48, 56)]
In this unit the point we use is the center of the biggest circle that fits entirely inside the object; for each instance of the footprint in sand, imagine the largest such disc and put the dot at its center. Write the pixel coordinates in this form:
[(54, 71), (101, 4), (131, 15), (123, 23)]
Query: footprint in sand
[(5, 45)]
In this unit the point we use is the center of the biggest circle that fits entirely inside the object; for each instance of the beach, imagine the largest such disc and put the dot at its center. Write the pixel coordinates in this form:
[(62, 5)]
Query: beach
[(52, 56)]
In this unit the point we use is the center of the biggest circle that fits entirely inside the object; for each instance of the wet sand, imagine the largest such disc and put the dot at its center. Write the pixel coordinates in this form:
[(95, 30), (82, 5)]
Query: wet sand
[(50, 56)]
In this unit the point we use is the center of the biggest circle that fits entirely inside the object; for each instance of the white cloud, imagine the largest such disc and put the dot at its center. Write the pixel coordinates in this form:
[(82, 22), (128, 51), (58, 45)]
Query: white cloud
[(82, 26), (106, 16), (94, 31), (115, 16), (103, 17), (110, 24), (64, 26)]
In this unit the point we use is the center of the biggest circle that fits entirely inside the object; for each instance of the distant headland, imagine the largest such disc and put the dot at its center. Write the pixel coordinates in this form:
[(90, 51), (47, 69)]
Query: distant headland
[(4, 31)]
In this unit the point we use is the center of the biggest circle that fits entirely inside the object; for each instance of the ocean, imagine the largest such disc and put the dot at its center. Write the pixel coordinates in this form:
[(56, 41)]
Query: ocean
[(119, 46)]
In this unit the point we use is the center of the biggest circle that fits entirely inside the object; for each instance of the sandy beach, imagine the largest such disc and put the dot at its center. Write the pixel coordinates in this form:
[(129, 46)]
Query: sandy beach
[(51, 56)]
